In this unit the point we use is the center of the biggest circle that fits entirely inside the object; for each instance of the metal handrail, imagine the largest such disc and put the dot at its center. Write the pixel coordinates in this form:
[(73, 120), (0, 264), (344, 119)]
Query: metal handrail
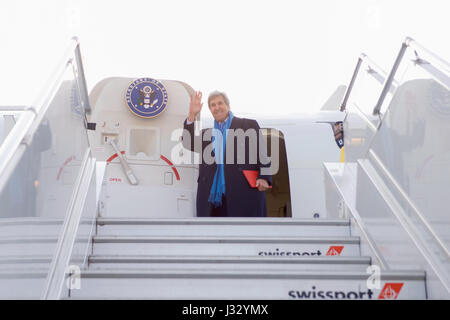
[(350, 86), (439, 70), (407, 43), (31, 116), (57, 273), (82, 79), (372, 69), (64, 248), (20, 138), (391, 84), (407, 200), (438, 63), (409, 227), (28, 122)]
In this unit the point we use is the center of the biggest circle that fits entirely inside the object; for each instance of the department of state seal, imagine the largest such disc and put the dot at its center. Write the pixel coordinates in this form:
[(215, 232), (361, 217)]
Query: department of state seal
[(146, 97)]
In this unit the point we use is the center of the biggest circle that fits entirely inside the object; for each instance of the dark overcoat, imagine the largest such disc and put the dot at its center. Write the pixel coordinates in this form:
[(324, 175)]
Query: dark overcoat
[(241, 199)]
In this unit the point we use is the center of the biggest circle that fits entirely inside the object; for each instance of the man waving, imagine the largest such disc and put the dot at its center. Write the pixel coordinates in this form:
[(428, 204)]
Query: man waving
[(232, 183)]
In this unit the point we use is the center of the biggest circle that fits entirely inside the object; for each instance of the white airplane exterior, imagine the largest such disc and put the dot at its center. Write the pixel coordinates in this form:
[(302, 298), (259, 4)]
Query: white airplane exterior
[(98, 195)]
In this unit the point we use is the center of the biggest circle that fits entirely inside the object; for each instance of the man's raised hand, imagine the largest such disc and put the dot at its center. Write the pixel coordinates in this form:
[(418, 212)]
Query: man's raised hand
[(195, 106)]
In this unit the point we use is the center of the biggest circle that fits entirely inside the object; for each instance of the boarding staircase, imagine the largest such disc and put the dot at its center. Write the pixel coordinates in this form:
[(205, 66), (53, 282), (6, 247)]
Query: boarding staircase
[(272, 258), (87, 256), (208, 258)]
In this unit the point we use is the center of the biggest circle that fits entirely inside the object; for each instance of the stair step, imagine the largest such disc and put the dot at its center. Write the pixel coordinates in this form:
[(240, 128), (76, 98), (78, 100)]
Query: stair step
[(226, 246), (228, 263), (35, 226), (244, 284), (30, 227), (26, 246), (24, 262), (22, 284), (32, 262), (223, 227)]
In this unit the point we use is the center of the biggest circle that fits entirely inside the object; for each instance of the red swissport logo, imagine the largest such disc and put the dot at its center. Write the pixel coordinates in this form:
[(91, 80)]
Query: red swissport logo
[(390, 291), (335, 250)]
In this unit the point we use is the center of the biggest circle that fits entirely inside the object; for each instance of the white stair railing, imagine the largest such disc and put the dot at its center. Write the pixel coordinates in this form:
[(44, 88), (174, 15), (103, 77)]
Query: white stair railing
[(62, 178), (426, 77)]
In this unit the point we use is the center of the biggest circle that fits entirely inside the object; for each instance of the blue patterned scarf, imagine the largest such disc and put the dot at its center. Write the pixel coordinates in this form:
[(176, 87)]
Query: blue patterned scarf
[(218, 186)]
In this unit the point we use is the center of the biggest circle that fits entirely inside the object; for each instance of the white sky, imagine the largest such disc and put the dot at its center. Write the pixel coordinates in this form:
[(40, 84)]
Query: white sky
[(269, 56)]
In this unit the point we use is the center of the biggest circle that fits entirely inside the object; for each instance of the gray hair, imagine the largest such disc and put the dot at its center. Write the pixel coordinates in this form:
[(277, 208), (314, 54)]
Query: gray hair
[(216, 93)]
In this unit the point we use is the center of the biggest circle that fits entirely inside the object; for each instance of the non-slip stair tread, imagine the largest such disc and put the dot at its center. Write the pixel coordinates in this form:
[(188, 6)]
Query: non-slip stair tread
[(17, 273), (224, 228), (30, 221), (27, 239), (36, 221), (229, 239), (34, 238), (32, 259), (222, 221), (25, 259), (250, 274), (214, 259)]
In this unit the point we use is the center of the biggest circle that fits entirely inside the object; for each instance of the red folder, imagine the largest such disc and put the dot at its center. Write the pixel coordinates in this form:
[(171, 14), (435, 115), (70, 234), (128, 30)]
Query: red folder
[(251, 176)]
